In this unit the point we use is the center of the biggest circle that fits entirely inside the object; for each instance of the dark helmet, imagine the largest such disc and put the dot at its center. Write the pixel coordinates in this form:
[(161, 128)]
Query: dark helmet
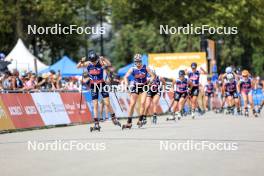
[(92, 56), (181, 73), (209, 78), (194, 65)]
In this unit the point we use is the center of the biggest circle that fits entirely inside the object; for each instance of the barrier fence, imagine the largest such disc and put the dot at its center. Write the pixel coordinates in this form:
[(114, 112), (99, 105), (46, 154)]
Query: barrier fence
[(40, 109)]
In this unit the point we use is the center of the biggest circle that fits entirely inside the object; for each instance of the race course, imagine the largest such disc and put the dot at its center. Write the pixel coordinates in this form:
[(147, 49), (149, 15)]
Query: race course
[(138, 151)]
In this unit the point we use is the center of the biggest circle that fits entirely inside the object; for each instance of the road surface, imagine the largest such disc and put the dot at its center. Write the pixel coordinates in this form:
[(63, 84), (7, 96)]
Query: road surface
[(168, 148)]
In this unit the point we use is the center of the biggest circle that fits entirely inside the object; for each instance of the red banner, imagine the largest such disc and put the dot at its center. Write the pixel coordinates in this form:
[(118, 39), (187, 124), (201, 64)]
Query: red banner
[(5, 121), (71, 103), (22, 110)]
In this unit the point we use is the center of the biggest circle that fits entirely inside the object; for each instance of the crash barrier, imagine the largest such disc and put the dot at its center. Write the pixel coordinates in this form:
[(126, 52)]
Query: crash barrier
[(29, 110), (41, 109)]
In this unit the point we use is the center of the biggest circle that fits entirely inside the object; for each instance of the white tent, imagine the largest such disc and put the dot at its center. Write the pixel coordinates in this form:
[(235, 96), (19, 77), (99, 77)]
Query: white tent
[(22, 60)]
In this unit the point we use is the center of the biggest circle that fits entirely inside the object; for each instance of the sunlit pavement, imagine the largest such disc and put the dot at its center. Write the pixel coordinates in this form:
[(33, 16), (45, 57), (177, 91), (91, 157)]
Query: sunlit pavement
[(150, 150)]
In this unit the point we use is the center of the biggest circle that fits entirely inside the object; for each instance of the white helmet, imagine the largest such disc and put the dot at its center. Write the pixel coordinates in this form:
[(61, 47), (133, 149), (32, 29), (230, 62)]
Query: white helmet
[(137, 58), (230, 76), (228, 70)]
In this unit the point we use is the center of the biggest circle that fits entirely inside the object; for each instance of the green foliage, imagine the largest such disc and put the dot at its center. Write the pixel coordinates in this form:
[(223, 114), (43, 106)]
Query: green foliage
[(135, 27)]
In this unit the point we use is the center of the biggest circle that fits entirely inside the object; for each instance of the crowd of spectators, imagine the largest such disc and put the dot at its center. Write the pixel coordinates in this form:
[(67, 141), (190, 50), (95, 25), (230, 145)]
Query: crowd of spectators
[(28, 81)]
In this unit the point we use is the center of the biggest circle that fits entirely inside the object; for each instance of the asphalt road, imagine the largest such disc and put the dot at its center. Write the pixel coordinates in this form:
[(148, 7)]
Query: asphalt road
[(214, 144)]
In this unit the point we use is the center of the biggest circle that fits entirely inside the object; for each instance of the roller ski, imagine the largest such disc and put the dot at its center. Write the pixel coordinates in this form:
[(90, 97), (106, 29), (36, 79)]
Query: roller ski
[(154, 119), (127, 126), (96, 127)]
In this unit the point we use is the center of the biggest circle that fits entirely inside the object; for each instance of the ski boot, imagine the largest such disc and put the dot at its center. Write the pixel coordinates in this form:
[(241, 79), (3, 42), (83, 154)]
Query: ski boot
[(114, 120), (96, 127), (193, 114), (128, 125), (140, 122), (228, 110), (172, 118), (154, 118), (238, 111), (246, 112), (260, 108), (179, 115), (144, 120), (255, 113)]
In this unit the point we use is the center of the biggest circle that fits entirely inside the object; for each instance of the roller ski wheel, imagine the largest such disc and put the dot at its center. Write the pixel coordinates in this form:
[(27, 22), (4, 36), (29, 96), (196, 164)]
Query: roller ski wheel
[(127, 126), (171, 119), (255, 115)]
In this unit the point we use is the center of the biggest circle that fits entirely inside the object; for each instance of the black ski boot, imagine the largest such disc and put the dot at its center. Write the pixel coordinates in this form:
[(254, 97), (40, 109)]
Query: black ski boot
[(172, 118), (128, 125), (96, 126), (144, 120), (255, 113), (114, 120), (246, 112), (154, 118), (141, 122)]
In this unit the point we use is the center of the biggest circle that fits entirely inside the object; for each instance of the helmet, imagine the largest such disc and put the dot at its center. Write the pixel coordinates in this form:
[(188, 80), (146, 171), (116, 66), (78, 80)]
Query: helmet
[(194, 65), (2, 56), (137, 58), (181, 73), (209, 78), (92, 56), (229, 76), (228, 70), (245, 73)]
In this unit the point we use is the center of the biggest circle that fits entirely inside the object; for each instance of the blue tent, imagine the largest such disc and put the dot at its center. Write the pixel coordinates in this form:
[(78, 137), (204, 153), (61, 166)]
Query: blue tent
[(66, 66), (122, 71)]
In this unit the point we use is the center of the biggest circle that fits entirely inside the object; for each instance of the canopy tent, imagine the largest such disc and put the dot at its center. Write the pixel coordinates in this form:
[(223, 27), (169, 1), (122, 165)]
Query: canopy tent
[(66, 66), (22, 60), (122, 71)]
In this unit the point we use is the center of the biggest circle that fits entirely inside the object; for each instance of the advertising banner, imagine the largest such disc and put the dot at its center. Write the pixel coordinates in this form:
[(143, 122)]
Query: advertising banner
[(120, 101), (71, 101), (5, 121), (51, 108), (22, 110), (168, 65)]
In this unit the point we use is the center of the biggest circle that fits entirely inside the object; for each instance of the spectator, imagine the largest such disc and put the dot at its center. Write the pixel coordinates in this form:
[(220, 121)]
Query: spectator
[(31, 83), (7, 81), (16, 81)]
